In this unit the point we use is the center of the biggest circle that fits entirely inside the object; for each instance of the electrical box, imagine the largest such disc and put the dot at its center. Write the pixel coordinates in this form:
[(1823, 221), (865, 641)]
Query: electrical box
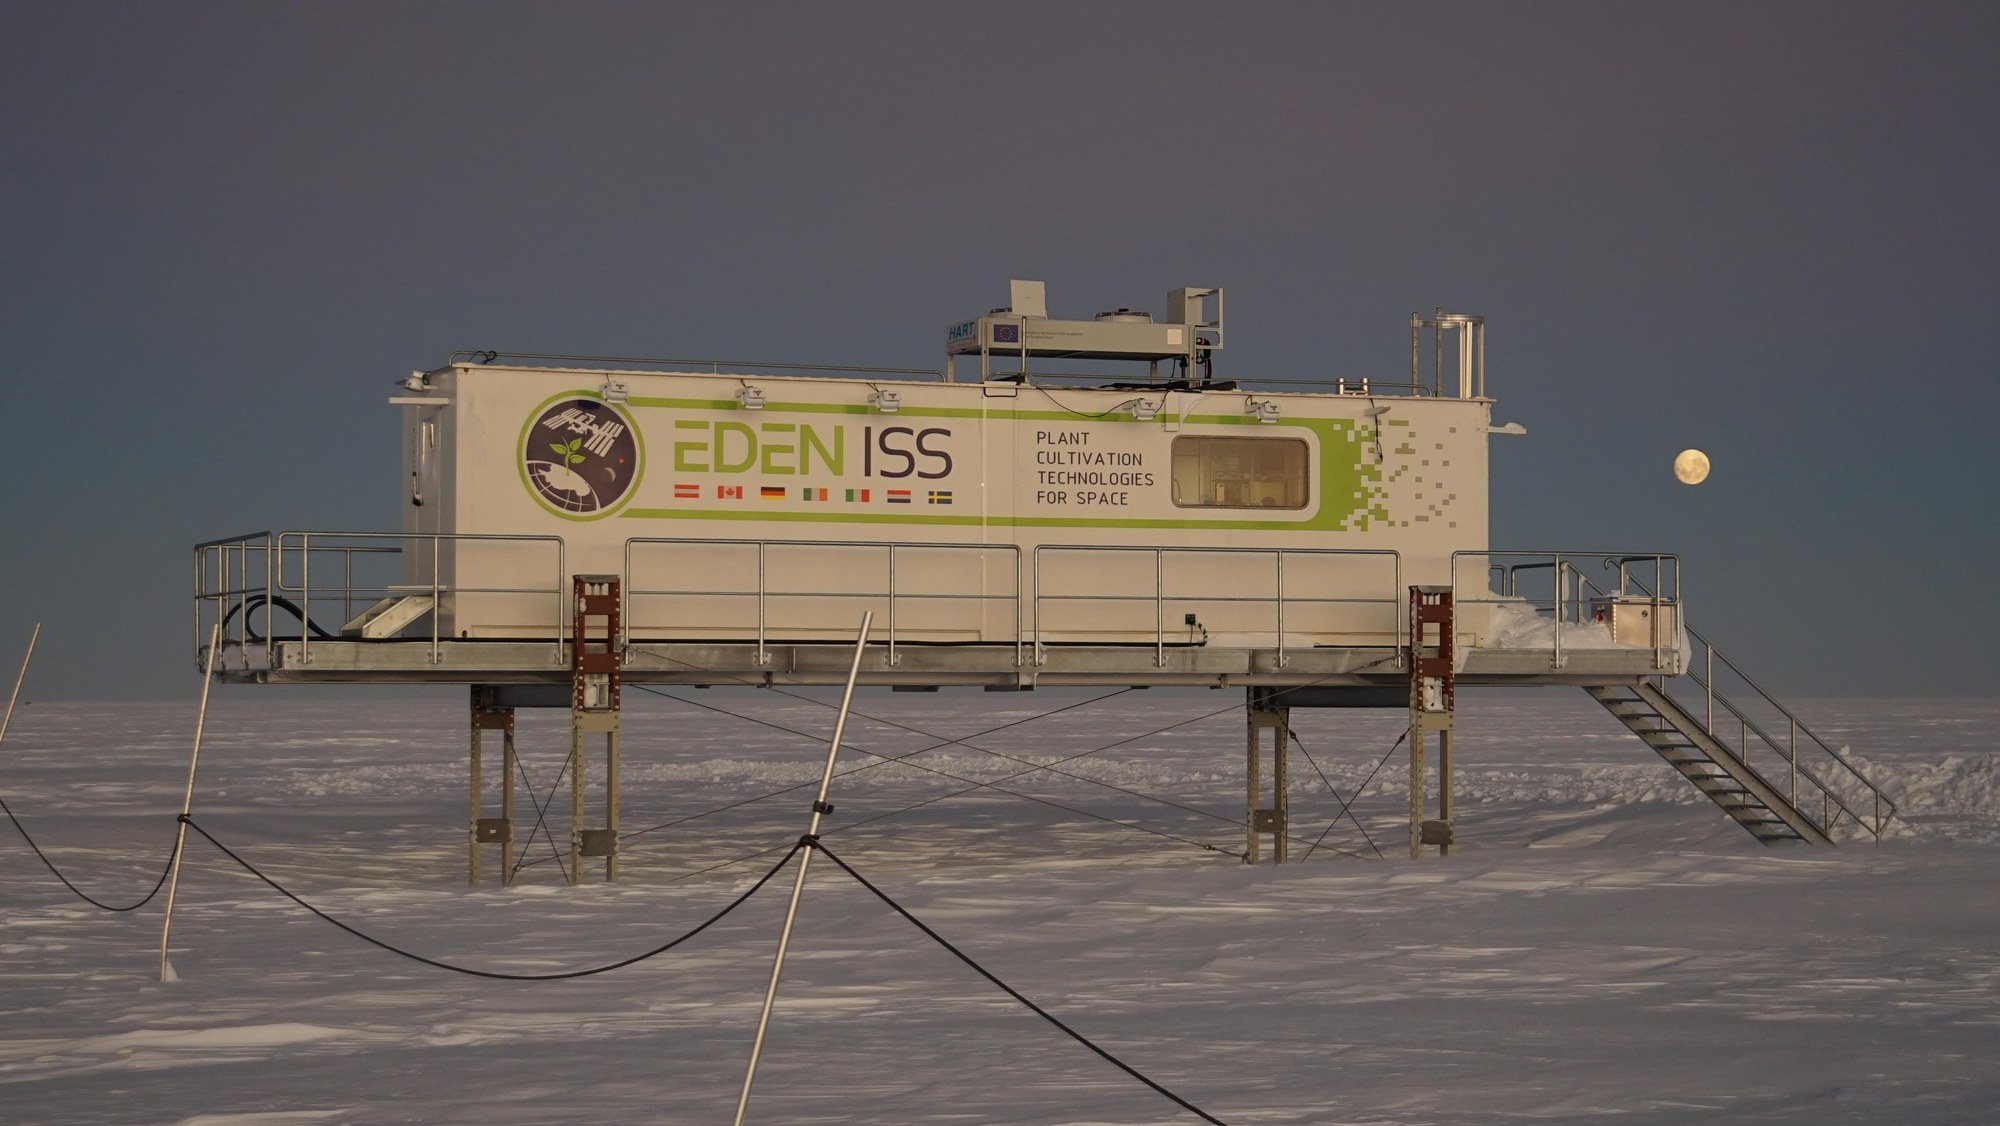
[(1635, 619)]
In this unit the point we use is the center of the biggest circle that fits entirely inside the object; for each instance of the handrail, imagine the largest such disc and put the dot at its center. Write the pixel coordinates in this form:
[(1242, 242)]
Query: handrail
[(219, 554), (1352, 384), (482, 357), (1567, 608), (304, 549), (237, 593), (1884, 806), (1829, 796), (1159, 596), (232, 540), (763, 592)]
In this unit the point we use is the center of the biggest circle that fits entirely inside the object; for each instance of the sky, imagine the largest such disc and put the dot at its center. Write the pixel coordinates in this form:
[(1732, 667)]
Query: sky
[(1766, 231)]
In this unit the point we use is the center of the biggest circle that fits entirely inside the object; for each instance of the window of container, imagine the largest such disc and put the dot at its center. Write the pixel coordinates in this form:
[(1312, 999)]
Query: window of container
[(1215, 472)]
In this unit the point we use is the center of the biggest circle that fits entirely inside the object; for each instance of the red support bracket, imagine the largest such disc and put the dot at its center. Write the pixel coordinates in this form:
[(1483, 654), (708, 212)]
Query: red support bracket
[(1431, 680), (594, 653)]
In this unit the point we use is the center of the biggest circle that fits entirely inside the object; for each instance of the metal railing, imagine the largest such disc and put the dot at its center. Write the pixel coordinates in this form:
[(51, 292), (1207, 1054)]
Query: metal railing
[(1573, 598), (888, 588), (232, 577), (1842, 788), (289, 572), (481, 357), (1359, 386), (1206, 593)]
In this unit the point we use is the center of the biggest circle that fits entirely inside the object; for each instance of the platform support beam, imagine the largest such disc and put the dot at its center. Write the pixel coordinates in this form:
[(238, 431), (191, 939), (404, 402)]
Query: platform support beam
[(480, 829), (1267, 717), (1433, 700), (596, 644)]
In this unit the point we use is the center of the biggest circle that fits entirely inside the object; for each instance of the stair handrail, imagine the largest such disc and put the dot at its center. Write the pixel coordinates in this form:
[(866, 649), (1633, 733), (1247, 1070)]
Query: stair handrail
[(1885, 807), (1880, 818)]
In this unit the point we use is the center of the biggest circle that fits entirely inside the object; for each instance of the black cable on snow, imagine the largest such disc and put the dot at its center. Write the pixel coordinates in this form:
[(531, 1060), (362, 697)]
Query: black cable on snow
[(559, 976), (77, 891), (1009, 990)]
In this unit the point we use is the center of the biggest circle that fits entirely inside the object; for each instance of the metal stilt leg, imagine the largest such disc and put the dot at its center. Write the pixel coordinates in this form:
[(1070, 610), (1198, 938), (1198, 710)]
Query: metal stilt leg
[(595, 646), (481, 829), (1265, 716), (1433, 696)]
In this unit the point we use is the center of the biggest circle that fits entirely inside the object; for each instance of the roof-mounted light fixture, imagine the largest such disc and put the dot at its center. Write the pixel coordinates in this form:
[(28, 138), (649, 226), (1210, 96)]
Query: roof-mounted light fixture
[(1266, 410), (752, 398), (887, 401), (614, 390), (1145, 409)]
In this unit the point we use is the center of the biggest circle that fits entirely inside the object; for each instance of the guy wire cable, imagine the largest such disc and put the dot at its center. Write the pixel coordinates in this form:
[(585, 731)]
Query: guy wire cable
[(1058, 762), (541, 816), (1358, 790), (883, 760), (971, 746), (1394, 656), (1033, 767), (850, 770), (1335, 791), (841, 774)]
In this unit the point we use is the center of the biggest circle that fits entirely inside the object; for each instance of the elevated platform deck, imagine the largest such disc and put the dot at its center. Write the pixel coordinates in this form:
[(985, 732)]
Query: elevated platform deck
[(995, 667)]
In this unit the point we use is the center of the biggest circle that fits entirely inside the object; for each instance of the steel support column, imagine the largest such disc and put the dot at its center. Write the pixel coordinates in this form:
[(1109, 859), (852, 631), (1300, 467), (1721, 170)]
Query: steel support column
[(595, 649), (1432, 704), (1266, 715), (483, 830)]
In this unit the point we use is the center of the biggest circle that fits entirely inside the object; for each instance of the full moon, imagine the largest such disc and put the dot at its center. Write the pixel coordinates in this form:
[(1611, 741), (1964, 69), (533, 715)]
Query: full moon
[(1691, 467)]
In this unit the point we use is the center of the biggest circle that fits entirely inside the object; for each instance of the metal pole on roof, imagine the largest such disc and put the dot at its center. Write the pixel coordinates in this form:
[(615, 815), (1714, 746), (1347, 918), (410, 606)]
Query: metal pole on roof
[(819, 809)]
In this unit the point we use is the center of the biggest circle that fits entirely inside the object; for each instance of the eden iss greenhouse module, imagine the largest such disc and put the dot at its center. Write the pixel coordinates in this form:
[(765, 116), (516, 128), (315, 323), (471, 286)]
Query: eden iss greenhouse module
[(571, 523)]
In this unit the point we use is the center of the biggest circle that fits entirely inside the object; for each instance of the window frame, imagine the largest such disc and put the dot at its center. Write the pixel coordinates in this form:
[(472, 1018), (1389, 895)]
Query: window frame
[(1304, 480)]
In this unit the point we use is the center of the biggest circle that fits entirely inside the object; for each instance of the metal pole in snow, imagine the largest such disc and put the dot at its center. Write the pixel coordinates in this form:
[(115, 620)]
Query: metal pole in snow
[(18, 678), (187, 802), (805, 857)]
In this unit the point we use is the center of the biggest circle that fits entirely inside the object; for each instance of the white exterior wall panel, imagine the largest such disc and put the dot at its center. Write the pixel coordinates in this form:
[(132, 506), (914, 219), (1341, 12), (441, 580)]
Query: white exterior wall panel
[(988, 478)]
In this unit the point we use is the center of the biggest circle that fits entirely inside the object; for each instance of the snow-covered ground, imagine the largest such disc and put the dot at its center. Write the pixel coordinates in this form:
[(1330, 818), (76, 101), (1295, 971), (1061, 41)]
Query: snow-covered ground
[(1604, 945)]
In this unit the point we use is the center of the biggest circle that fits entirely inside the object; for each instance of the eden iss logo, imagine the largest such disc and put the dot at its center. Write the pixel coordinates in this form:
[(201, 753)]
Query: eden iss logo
[(580, 456)]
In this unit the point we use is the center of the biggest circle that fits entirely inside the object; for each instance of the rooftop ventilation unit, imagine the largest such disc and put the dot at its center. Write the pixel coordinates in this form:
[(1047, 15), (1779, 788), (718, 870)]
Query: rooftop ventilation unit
[(1023, 329)]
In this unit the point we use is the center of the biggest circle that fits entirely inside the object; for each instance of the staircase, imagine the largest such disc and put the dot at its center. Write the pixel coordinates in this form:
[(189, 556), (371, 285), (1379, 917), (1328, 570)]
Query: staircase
[(1797, 788), (1702, 759)]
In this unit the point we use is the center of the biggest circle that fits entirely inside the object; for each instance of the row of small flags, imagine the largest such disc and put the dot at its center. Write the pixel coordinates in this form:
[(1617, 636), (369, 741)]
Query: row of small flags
[(850, 496)]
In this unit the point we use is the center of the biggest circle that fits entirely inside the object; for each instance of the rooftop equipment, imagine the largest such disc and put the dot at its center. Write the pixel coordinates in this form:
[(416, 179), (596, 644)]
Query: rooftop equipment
[(1023, 329)]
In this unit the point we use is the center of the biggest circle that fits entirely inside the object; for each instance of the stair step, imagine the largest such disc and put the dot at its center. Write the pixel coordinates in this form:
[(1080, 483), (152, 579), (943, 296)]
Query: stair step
[(1709, 764)]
